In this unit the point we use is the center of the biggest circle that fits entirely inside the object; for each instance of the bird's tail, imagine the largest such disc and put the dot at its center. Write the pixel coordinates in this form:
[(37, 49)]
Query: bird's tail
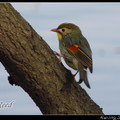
[(83, 75)]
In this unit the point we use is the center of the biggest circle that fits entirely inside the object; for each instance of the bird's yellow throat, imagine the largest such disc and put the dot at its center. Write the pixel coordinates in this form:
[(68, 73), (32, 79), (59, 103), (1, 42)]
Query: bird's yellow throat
[(59, 36)]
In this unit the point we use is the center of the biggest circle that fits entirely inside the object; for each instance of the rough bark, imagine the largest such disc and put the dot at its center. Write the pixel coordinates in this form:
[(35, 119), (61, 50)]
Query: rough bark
[(32, 65)]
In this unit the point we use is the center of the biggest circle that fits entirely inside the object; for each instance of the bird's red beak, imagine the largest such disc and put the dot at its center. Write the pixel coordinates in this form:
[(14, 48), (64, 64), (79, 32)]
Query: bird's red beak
[(54, 30)]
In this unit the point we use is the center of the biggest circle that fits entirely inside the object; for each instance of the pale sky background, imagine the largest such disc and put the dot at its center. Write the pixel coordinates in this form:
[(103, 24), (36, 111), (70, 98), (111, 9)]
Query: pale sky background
[(100, 24)]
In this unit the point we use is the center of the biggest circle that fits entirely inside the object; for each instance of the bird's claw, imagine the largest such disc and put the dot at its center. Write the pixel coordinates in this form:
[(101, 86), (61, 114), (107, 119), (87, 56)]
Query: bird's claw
[(75, 74), (60, 55)]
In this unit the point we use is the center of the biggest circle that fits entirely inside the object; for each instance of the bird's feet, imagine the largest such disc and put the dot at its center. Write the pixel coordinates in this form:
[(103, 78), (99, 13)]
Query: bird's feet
[(60, 55), (75, 74)]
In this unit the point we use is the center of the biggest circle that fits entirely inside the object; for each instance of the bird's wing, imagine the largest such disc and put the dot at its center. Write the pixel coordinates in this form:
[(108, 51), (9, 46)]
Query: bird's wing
[(80, 50), (80, 55)]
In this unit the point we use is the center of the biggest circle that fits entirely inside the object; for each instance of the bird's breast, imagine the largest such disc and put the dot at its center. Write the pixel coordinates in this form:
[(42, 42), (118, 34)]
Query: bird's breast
[(70, 60)]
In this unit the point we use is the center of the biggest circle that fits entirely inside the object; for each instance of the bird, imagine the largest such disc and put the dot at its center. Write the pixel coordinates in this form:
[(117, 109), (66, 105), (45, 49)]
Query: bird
[(75, 50)]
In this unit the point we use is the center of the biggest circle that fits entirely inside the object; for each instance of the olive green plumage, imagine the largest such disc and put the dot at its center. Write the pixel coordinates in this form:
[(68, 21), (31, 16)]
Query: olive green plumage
[(75, 49)]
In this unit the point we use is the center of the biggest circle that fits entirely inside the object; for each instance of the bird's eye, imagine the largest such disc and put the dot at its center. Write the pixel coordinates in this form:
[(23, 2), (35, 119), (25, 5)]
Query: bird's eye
[(63, 30)]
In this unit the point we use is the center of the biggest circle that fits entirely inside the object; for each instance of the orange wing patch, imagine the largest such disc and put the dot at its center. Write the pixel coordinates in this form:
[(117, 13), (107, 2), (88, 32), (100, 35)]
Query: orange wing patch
[(73, 48), (81, 56)]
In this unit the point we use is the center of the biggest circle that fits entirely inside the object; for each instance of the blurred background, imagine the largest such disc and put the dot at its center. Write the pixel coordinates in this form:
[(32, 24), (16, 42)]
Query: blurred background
[(100, 24)]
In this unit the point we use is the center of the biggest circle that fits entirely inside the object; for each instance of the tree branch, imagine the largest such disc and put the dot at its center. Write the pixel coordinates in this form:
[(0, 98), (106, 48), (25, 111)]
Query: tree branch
[(33, 66)]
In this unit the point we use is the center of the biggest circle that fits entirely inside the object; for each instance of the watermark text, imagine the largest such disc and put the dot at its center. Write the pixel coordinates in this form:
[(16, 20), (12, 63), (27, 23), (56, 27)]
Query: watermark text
[(6, 104)]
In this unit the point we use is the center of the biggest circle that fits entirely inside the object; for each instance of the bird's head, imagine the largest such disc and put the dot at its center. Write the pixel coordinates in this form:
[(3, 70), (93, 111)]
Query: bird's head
[(66, 28)]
